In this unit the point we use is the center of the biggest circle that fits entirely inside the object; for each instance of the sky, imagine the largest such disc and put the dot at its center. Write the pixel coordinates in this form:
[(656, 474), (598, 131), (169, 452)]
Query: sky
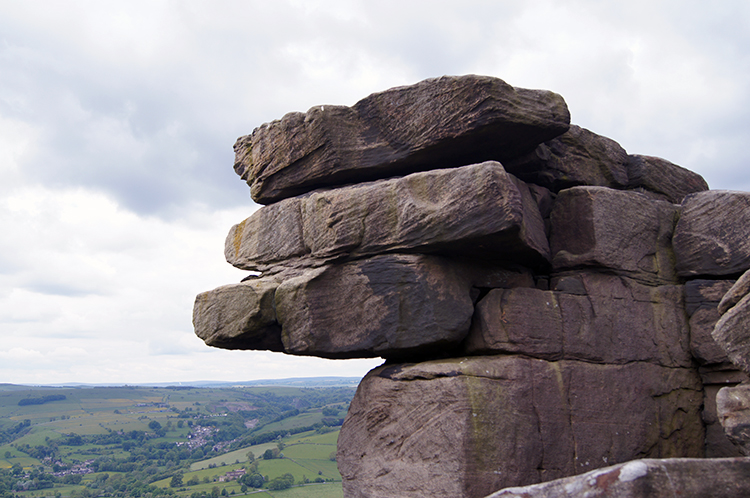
[(117, 121)]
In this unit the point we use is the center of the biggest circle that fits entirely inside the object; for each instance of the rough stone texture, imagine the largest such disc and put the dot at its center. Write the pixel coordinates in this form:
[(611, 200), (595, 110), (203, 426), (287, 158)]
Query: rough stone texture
[(701, 300), (394, 295), (437, 123), (711, 236), (732, 333), (390, 306), (578, 157), (427, 212), (734, 295), (624, 231), (733, 409), (649, 478), (470, 426), (604, 349), (239, 316), (659, 176), (615, 320)]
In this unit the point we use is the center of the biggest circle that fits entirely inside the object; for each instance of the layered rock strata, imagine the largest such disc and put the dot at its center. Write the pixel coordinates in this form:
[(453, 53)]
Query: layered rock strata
[(544, 300)]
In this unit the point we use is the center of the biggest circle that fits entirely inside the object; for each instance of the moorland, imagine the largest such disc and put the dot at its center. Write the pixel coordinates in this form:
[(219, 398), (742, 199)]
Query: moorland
[(187, 441)]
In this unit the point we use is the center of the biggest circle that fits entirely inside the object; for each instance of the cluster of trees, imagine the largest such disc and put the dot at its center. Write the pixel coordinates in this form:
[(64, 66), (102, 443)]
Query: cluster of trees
[(41, 400), (118, 485), (15, 432)]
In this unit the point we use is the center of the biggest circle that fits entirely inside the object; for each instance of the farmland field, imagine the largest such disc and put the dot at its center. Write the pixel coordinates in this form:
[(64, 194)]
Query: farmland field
[(170, 441)]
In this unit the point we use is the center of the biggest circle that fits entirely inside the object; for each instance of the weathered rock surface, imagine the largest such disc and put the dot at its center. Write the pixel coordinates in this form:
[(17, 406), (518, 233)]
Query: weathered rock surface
[(437, 123), (578, 157), (649, 478), (711, 237), (239, 316), (587, 300), (469, 426), (701, 300), (428, 212), (389, 306), (732, 333), (594, 317), (733, 409), (661, 177), (623, 231), (734, 295)]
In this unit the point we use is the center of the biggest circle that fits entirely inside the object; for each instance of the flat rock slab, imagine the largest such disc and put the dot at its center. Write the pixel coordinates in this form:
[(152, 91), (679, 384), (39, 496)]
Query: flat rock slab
[(389, 306), (473, 211), (578, 157), (649, 478), (605, 228), (711, 237), (733, 410), (465, 427), (616, 321), (437, 123)]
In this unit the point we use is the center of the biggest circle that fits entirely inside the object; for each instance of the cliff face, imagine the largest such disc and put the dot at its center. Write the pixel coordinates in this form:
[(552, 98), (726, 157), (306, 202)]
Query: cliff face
[(544, 300)]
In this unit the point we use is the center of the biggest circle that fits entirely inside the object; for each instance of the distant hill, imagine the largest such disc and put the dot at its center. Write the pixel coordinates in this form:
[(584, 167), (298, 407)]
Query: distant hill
[(293, 382)]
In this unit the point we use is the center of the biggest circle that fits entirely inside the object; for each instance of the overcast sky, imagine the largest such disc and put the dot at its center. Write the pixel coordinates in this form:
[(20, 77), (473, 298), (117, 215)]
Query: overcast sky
[(117, 121)]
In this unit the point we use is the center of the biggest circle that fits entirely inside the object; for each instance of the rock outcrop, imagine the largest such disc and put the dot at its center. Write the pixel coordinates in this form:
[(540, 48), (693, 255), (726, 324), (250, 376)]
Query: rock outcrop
[(545, 302), (686, 478)]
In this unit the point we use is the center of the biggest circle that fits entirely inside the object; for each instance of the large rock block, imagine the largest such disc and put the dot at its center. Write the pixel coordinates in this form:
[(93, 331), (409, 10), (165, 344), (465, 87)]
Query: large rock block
[(390, 306), (473, 211), (465, 427), (711, 237), (623, 231), (649, 478), (394, 306), (239, 316), (437, 123), (578, 157), (663, 178), (594, 317)]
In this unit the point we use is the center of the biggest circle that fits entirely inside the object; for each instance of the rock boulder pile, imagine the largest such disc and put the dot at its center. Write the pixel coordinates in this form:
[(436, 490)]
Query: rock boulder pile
[(544, 300)]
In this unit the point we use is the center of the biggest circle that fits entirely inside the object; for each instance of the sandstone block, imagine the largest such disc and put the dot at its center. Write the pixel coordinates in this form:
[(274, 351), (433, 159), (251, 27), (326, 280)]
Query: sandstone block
[(475, 211), (239, 316), (390, 306), (711, 236), (623, 231), (732, 333), (701, 300), (437, 123), (577, 157), (733, 409), (648, 478), (616, 321), (663, 178), (464, 427)]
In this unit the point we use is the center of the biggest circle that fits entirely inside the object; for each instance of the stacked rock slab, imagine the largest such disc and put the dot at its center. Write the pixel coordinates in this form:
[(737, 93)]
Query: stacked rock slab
[(542, 298)]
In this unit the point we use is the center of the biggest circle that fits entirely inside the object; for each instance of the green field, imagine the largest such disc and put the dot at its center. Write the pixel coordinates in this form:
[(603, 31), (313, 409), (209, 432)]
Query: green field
[(140, 437)]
